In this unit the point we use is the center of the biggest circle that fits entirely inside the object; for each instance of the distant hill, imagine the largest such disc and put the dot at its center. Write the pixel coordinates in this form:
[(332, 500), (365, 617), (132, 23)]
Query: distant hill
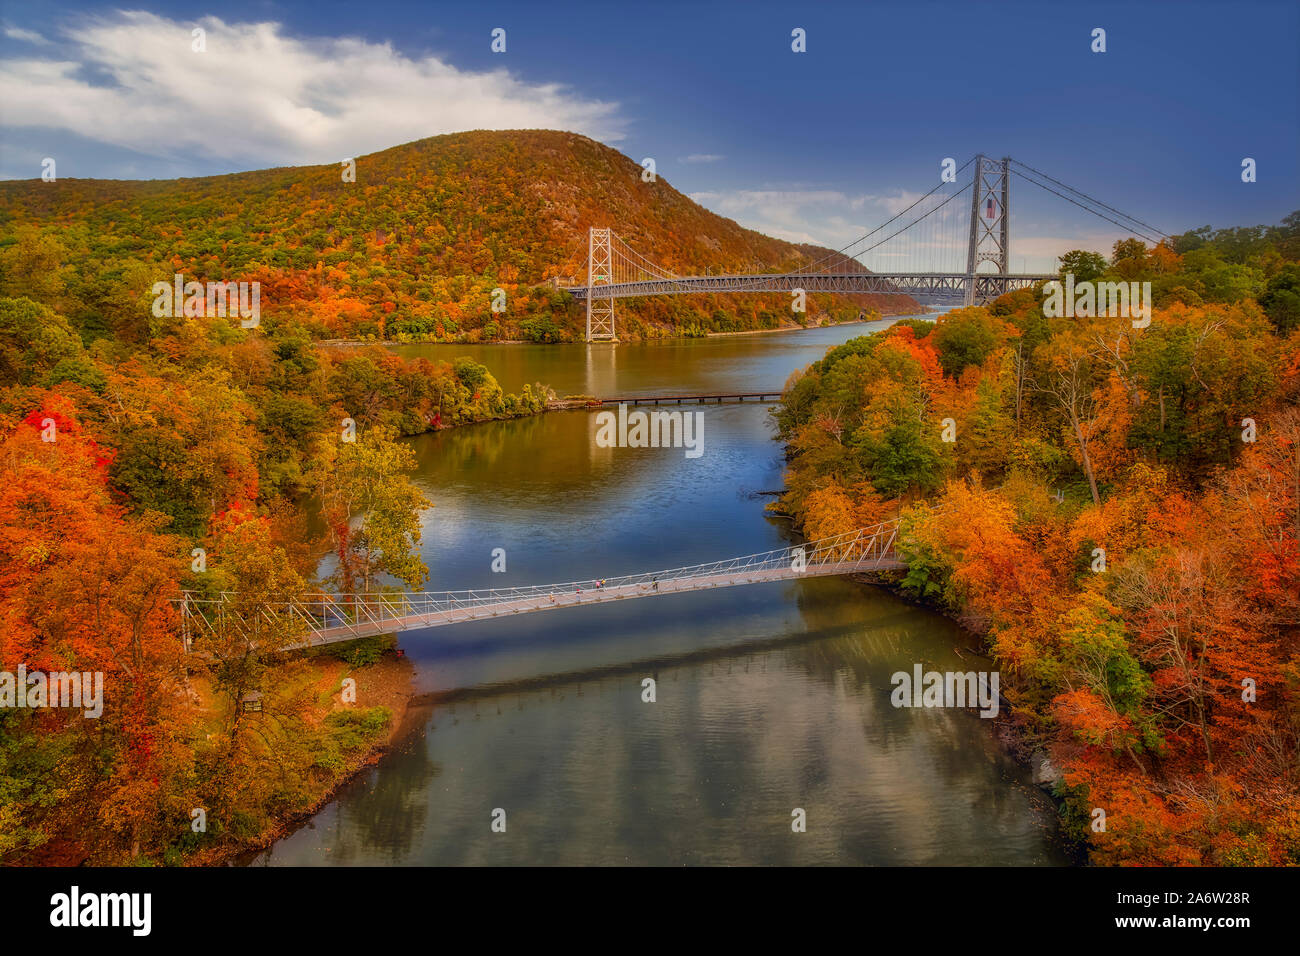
[(413, 247)]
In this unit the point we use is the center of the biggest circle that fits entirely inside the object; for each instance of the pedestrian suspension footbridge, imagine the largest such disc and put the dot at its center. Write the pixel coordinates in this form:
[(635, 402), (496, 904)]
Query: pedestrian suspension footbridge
[(317, 619)]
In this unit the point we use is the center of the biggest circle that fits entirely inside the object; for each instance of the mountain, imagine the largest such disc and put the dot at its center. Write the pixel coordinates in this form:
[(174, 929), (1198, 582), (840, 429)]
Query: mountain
[(414, 246)]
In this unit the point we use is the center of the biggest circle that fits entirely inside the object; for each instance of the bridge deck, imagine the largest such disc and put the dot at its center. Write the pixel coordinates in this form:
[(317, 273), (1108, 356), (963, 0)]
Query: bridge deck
[(697, 399), (457, 615), (938, 285)]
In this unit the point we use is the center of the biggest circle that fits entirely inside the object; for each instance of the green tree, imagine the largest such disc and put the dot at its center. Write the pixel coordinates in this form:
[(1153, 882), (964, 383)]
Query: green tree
[(903, 458), (34, 339), (964, 337), (33, 267), (1281, 299), (372, 509), (1128, 249), (1084, 265)]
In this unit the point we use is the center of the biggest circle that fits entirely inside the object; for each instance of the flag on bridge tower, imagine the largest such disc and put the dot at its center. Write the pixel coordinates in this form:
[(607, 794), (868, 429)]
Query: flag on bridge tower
[(990, 209)]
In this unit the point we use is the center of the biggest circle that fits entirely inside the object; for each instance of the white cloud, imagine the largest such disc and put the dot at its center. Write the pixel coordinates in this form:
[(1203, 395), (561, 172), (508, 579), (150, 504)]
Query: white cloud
[(703, 158), (260, 96), (895, 204), (27, 36)]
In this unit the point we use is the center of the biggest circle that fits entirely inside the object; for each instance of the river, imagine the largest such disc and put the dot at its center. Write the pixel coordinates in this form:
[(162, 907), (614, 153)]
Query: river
[(769, 698)]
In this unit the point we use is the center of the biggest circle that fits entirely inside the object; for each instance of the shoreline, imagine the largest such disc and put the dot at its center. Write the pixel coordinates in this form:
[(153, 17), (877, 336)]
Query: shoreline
[(391, 679), (346, 343)]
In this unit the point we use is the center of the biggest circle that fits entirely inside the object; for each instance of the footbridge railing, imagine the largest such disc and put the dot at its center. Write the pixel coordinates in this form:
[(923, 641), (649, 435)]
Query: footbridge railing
[(325, 618)]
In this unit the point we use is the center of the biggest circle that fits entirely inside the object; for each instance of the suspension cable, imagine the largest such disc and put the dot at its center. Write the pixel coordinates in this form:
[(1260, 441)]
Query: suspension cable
[(843, 251), (1126, 228), (1077, 192)]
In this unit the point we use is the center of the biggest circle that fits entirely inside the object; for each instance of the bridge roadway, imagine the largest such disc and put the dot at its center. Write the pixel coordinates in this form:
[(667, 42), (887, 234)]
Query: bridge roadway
[(391, 619), (933, 285), (774, 396)]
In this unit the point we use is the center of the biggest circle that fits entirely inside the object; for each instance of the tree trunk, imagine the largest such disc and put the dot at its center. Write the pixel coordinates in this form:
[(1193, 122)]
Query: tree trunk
[(1087, 459), (1020, 383)]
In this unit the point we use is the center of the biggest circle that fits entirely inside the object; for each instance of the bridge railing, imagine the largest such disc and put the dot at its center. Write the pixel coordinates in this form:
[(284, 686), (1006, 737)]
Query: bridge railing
[(926, 284), (318, 614)]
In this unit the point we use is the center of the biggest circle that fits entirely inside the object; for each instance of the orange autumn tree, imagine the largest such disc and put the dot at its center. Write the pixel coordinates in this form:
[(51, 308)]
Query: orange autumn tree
[(84, 587), (833, 510), (997, 573)]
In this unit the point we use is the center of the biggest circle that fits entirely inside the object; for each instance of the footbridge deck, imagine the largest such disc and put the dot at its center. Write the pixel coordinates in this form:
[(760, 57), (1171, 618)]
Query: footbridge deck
[(329, 618)]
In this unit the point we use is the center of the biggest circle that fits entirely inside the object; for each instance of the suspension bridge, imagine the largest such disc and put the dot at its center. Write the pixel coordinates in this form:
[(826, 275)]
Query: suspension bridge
[(952, 258), (316, 619)]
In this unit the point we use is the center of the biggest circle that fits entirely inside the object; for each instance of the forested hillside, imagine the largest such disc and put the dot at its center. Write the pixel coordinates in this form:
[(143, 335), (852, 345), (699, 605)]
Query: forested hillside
[(409, 251)]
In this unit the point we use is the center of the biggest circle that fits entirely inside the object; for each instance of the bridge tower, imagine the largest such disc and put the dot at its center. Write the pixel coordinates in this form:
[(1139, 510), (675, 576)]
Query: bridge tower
[(600, 272), (990, 218)]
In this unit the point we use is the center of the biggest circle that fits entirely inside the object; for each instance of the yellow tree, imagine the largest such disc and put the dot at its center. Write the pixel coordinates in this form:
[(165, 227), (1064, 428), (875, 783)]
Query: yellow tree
[(371, 508)]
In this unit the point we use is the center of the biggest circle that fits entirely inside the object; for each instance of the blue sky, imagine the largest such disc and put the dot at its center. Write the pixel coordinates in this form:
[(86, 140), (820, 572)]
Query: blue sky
[(817, 146)]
